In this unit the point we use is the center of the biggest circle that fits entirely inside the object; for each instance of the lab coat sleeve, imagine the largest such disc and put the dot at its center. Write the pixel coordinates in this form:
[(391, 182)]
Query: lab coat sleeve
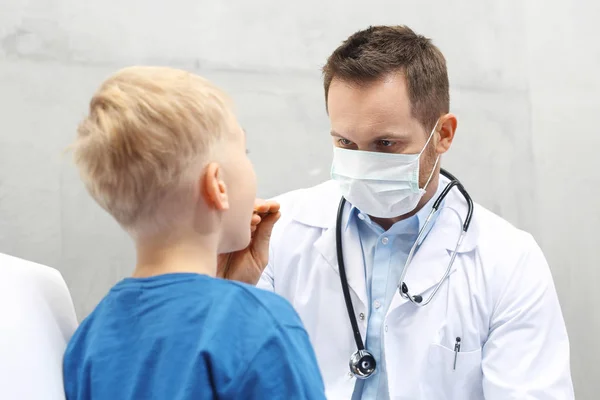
[(526, 355)]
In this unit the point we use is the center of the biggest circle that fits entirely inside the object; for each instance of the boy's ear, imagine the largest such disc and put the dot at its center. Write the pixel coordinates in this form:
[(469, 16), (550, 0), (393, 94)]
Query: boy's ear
[(214, 188)]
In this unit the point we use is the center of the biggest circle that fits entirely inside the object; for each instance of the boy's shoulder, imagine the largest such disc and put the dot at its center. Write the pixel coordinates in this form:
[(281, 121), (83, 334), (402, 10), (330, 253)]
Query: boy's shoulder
[(221, 304), (267, 305)]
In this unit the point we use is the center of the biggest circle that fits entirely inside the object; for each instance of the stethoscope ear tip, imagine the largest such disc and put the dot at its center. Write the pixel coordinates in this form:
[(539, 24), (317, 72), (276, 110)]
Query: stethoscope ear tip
[(404, 288), (404, 291)]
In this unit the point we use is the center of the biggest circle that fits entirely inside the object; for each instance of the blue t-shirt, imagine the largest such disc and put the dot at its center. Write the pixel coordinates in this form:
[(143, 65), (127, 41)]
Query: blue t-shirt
[(189, 336)]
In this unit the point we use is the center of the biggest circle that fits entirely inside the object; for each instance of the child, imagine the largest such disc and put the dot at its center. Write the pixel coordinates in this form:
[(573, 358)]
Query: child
[(162, 152)]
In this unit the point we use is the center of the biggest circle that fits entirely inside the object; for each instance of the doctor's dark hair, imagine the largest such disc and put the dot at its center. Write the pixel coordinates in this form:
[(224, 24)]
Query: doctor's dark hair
[(373, 53)]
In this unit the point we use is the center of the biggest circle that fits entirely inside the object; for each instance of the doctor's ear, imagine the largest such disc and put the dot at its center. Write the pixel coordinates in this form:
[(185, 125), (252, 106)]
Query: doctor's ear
[(213, 187), (445, 131)]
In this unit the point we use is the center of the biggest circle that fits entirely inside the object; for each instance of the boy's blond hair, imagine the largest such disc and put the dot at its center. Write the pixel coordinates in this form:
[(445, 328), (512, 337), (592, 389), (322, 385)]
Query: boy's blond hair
[(147, 128)]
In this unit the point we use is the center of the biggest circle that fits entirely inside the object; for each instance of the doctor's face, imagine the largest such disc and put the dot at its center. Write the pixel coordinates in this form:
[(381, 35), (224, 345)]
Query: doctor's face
[(376, 116)]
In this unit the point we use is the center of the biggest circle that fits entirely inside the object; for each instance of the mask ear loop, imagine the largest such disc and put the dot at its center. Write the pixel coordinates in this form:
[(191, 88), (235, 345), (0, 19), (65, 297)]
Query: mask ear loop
[(431, 175), (430, 136), (436, 160)]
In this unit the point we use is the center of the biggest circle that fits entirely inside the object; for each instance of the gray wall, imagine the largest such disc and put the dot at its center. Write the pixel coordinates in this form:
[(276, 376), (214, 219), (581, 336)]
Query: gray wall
[(525, 86)]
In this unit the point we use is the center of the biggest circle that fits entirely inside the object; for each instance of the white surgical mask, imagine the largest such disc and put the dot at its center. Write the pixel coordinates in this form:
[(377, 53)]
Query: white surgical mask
[(383, 185)]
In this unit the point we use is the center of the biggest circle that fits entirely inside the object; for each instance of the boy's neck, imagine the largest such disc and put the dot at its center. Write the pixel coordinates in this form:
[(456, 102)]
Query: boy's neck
[(158, 257)]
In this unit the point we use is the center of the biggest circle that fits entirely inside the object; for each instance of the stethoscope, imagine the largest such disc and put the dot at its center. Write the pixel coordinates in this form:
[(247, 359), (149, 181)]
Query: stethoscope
[(362, 362)]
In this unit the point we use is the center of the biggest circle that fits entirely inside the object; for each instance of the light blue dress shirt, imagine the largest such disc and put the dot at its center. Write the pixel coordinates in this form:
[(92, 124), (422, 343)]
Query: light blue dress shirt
[(384, 254)]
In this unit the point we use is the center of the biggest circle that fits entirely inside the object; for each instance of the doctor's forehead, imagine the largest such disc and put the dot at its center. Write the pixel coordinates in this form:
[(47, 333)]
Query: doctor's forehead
[(379, 107)]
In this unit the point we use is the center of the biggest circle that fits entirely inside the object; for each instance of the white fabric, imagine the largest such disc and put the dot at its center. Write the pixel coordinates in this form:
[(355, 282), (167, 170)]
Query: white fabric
[(499, 299), (383, 185), (37, 319)]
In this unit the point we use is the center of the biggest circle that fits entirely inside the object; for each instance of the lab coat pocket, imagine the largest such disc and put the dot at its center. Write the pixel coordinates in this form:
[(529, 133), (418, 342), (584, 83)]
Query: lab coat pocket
[(445, 379)]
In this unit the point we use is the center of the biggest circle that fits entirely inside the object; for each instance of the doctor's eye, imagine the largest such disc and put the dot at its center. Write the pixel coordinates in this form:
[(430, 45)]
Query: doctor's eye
[(385, 143), (344, 142)]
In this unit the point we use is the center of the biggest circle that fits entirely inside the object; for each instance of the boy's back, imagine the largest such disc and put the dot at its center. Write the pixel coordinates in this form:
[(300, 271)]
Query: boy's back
[(190, 336)]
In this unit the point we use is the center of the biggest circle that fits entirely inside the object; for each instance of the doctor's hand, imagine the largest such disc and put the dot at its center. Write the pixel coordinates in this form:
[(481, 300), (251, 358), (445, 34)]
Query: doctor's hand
[(247, 265)]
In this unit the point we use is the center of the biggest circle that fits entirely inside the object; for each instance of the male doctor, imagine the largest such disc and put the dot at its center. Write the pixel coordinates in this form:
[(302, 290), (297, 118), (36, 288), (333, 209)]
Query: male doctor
[(493, 330)]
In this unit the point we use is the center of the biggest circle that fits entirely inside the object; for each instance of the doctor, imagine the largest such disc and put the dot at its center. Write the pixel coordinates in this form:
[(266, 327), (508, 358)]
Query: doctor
[(493, 328)]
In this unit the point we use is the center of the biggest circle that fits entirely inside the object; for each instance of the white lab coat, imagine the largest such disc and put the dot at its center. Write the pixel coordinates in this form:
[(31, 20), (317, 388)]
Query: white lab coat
[(499, 299), (37, 319)]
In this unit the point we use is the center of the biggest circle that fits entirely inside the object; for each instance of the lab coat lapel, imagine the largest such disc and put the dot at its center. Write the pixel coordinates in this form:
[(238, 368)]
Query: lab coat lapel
[(426, 269), (352, 250), (434, 254)]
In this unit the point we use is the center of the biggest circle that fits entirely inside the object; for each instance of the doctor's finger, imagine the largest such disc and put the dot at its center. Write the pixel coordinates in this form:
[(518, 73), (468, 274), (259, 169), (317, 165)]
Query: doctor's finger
[(263, 231), (265, 207)]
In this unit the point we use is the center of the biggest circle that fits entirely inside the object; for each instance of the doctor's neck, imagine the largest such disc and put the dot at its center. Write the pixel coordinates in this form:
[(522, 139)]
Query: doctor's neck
[(176, 254), (386, 223)]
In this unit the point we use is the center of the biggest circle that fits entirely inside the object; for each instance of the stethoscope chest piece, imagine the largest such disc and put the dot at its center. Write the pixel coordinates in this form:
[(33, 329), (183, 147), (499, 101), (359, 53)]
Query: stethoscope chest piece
[(362, 364)]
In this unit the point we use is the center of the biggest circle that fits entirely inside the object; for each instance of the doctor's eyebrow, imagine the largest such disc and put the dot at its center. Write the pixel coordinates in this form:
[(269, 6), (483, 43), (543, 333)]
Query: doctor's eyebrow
[(395, 136)]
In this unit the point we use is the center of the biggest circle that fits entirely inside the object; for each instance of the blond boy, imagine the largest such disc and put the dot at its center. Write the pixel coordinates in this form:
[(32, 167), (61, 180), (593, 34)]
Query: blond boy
[(162, 152)]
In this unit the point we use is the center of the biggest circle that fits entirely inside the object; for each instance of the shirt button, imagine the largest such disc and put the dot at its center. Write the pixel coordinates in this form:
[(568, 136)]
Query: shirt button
[(362, 218), (377, 304), (386, 328), (385, 240), (361, 316)]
